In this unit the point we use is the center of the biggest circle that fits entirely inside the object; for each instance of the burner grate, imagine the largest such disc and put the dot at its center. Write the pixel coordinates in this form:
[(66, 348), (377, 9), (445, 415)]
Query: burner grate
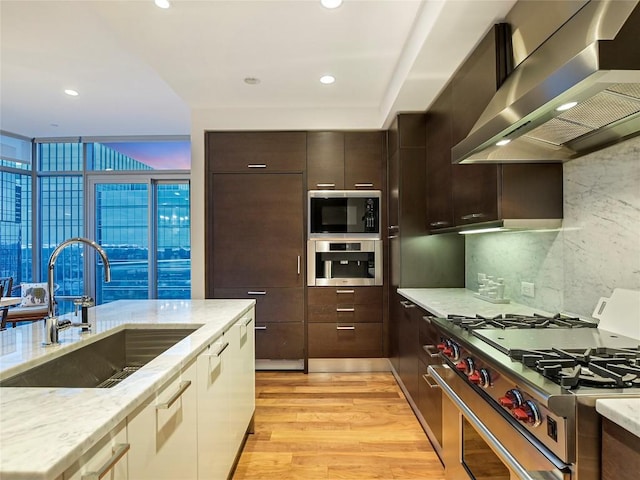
[(594, 367), (514, 321)]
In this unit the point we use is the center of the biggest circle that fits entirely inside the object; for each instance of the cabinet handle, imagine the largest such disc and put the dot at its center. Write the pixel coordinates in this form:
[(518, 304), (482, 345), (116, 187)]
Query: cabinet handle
[(249, 320), (426, 377), (326, 185), (118, 452), (431, 351), (441, 223), (391, 237), (260, 327), (181, 389), (472, 215), (345, 292), (349, 327), (345, 309), (256, 165), (393, 227), (407, 304), (256, 292), (298, 264), (222, 349), (363, 185)]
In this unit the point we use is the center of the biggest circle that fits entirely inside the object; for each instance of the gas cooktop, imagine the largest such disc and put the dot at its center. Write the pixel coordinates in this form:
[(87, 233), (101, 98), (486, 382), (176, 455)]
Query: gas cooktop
[(514, 321)]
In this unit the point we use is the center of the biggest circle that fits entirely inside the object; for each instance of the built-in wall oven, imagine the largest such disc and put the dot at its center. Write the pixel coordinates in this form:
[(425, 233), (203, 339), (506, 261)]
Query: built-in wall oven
[(344, 214), (344, 262), (480, 444)]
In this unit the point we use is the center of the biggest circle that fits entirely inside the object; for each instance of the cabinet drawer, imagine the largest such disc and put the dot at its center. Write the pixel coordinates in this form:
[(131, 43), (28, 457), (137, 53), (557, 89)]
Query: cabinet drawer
[(109, 456), (428, 337), (163, 431), (344, 295), (345, 313), (344, 340), (279, 341), (272, 306), (256, 151)]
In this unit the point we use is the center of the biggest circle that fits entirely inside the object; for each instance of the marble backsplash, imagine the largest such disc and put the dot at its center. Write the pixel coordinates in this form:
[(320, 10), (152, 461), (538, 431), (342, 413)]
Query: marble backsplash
[(597, 249)]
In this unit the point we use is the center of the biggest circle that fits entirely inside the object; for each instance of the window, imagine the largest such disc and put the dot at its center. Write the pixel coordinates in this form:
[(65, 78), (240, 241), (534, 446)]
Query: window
[(131, 197)]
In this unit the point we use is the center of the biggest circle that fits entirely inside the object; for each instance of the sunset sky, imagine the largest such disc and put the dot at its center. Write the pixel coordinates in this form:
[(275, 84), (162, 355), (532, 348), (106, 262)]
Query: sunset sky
[(158, 155)]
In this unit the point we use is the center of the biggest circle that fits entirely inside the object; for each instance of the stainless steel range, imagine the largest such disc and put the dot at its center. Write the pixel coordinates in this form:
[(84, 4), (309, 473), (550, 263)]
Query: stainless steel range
[(522, 394)]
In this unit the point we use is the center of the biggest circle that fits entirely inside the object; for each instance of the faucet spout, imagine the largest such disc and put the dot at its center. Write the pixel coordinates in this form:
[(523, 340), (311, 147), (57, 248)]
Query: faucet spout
[(54, 257)]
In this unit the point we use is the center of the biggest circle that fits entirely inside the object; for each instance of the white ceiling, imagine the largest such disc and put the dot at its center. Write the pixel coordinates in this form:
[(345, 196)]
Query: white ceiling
[(141, 70)]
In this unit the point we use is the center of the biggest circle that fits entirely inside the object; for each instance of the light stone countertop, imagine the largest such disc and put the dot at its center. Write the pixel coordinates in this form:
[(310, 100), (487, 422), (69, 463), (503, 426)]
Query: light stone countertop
[(44, 430), (460, 301), (622, 411)]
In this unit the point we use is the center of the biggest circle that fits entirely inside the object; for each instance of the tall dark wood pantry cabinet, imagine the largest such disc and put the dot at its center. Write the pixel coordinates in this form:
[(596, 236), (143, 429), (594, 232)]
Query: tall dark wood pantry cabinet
[(255, 232)]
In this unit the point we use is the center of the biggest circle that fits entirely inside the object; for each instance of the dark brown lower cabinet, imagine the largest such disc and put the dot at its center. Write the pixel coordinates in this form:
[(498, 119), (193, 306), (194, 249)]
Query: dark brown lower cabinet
[(620, 452), (345, 322), (279, 325), (279, 341), (345, 340), (255, 249), (415, 350)]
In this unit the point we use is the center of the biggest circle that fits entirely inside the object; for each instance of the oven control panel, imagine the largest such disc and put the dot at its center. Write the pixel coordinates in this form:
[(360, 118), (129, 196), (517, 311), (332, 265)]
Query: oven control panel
[(508, 396)]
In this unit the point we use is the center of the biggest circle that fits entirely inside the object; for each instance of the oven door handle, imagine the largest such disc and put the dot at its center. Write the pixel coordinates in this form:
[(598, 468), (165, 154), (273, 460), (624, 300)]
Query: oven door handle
[(437, 374)]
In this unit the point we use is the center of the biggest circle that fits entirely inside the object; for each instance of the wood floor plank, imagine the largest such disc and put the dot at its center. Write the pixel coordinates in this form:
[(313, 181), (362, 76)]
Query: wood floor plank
[(335, 426)]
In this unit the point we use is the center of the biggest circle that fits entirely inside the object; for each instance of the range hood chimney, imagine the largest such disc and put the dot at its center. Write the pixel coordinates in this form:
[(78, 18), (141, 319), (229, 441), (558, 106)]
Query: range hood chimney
[(593, 60)]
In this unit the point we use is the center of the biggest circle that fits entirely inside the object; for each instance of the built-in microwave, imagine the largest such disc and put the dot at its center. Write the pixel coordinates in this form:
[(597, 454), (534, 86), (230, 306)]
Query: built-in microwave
[(344, 214)]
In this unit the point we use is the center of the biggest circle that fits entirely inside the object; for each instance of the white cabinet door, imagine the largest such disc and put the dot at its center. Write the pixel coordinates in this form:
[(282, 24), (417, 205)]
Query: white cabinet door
[(245, 378), (107, 459), (215, 434), (163, 432)]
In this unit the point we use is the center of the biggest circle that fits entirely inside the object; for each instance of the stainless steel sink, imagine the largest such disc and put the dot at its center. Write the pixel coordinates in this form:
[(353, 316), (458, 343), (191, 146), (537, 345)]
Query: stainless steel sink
[(101, 364)]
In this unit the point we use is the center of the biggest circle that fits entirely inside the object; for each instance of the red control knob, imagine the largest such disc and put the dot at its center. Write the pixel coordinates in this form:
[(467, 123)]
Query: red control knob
[(512, 399), (474, 378), (528, 413), (441, 346), (521, 414), (466, 365)]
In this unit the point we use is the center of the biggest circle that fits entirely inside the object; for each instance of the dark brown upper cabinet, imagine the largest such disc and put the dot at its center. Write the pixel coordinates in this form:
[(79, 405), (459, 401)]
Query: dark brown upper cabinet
[(345, 160), (439, 168), (256, 152), (461, 195)]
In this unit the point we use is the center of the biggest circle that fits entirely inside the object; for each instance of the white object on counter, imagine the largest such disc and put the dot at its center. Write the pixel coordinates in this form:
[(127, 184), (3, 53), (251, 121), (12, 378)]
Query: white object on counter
[(624, 412), (620, 313)]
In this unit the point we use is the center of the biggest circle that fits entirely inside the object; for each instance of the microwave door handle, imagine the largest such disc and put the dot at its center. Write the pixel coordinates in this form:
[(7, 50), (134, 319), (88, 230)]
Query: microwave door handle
[(298, 264)]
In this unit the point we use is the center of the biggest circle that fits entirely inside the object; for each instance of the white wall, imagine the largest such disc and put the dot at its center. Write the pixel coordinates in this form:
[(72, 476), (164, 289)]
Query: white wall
[(597, 249)]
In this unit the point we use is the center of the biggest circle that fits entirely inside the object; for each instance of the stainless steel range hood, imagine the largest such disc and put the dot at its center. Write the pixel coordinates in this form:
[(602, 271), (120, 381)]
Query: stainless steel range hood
[(594, 60)]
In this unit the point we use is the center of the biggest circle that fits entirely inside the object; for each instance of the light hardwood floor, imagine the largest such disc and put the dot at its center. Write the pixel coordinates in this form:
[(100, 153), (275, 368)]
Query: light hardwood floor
[(335, 426)]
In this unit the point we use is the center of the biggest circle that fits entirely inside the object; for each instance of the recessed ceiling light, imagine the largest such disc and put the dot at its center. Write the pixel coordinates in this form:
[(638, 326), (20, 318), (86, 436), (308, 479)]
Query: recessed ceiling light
[(162, 3), (327, 79), (251, 80), (503, 142), (331, 3), (566, 106), (70, 92)]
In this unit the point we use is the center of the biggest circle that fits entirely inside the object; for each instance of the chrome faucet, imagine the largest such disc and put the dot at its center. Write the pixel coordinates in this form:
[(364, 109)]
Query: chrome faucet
[(52, 325)]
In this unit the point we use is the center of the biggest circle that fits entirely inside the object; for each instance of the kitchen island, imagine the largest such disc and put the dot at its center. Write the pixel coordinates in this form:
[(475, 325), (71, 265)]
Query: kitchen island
[(44, 430)]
